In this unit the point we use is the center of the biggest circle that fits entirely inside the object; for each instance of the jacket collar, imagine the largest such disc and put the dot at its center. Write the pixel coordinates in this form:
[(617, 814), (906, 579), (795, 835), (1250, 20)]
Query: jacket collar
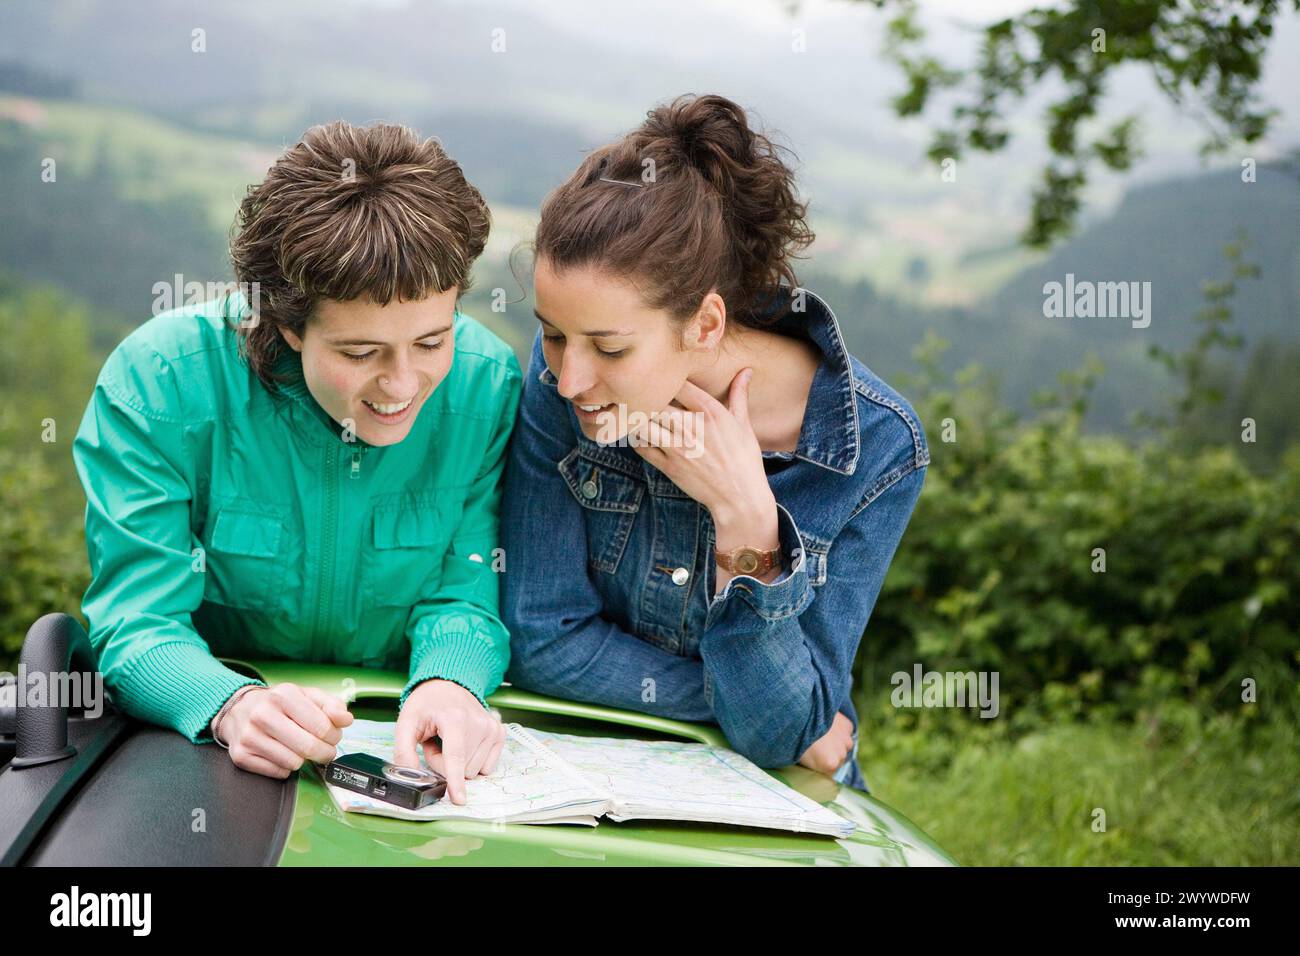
[(292, 384), (830, 436), (831, 432)]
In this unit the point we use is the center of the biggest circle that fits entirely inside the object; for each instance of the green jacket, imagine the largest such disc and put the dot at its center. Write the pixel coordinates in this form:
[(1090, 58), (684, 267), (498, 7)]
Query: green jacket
[(227, 519)]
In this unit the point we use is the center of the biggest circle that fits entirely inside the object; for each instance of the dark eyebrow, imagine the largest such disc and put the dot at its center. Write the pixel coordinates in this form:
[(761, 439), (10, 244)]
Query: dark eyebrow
[(598, 333), (441, 331)]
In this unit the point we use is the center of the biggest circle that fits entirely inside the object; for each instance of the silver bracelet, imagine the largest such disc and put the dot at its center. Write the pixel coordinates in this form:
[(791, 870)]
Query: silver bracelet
[(225, 709)]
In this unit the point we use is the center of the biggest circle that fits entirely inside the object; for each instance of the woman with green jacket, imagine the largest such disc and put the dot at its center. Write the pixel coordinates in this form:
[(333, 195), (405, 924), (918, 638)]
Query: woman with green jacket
[(310, 469)]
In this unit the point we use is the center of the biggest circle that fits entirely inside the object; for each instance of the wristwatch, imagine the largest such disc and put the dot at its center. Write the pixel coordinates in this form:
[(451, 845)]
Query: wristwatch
[(748, 560)]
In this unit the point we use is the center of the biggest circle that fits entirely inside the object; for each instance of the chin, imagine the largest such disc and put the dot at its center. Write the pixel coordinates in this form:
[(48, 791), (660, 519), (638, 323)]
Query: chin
[(386, 437), (600, 436)]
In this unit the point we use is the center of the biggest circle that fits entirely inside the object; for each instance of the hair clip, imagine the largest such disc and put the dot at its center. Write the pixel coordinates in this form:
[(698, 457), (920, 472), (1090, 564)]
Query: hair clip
[(621, 182)]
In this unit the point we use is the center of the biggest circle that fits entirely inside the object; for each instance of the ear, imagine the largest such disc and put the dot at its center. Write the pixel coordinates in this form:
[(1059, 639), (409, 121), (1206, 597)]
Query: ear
[(708, 324), (294, 341)]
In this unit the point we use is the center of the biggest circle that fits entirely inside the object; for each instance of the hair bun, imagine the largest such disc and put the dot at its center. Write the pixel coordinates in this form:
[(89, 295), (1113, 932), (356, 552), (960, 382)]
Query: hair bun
[(710, 133), (721, 213)]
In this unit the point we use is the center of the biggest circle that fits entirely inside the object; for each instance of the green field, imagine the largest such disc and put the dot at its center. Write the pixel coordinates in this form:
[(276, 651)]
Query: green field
[(1177, 788)]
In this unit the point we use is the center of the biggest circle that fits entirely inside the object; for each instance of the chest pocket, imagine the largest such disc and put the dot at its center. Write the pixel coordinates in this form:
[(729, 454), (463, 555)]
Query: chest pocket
[(245, 563), (610, 501), (402, 560)]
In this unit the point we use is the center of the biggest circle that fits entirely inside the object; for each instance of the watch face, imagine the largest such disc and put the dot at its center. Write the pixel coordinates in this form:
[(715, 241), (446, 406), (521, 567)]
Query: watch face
[(746, 561)]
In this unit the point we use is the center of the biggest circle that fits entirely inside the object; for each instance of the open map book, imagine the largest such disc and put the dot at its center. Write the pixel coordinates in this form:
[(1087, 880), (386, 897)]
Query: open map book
[(559, 778)]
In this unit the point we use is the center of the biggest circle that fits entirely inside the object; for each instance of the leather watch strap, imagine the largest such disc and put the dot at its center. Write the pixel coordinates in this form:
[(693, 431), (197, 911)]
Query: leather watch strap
[(748, 560)]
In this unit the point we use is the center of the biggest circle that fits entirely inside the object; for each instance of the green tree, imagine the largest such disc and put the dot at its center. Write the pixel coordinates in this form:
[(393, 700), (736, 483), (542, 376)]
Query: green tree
[(1204, 56)]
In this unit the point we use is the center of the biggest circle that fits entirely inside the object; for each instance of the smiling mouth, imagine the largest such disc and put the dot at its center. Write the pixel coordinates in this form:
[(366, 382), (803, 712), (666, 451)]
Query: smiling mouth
[(390, 408)]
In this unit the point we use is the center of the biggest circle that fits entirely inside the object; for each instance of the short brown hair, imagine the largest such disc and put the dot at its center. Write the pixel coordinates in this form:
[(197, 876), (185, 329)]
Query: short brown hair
[(720, 211), (352, 212)]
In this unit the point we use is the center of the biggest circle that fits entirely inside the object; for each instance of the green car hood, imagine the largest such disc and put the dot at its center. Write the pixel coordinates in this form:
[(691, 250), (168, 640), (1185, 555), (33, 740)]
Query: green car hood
[(322, 835)]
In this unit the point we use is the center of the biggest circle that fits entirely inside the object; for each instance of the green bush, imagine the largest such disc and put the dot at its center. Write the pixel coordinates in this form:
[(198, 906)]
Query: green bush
[(997, 572), (43, 560), (47, 371)]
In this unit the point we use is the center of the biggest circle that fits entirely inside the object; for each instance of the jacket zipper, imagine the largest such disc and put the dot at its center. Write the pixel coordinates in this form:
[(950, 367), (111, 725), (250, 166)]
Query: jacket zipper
[(328, 538), (325, 600)]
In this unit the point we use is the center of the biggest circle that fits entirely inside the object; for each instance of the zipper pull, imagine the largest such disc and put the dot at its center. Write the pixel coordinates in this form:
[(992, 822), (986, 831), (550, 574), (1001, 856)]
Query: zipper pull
[(356, 464)]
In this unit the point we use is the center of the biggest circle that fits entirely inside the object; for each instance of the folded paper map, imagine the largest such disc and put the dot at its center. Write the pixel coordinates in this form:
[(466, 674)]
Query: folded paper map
[(560, 778)]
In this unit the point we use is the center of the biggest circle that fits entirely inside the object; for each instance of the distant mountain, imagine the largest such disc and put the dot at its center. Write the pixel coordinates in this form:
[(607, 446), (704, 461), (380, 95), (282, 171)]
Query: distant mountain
[(1169, 234), (85, 232), (519, 91), (1172, 235), (139, 199)]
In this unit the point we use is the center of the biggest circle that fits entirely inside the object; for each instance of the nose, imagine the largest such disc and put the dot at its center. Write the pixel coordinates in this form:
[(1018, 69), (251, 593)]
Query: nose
[(399, 381), (575, 377)]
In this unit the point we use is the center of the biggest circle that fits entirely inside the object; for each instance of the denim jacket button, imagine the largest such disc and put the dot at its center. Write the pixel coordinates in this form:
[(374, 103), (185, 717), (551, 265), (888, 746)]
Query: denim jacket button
[(681, 576), (589, 489)]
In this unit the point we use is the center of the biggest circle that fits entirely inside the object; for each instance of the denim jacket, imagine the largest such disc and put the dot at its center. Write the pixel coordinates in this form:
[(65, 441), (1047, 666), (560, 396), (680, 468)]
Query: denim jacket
[(609, 582)]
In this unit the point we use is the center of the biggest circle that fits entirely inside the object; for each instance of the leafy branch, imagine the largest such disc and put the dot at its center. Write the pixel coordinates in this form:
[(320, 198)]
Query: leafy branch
[(1204, 55)]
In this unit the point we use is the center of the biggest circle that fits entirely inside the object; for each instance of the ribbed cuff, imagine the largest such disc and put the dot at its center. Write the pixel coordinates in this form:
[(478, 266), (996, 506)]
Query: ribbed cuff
[(459, 648), (177, 685)]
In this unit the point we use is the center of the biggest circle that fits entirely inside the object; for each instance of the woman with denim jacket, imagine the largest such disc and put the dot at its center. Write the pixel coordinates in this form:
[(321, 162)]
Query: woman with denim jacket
[(704, 489)]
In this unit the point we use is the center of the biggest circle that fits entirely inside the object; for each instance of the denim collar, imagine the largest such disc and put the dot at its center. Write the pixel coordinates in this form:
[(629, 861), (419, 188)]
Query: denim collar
[(830, 433)]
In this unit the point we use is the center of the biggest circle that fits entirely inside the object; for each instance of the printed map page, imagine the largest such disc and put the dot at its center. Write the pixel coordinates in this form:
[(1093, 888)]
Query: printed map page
[(670, 780), (561, 778)]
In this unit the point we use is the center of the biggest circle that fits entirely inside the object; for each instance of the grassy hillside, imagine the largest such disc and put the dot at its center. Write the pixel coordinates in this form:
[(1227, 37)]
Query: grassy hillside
[(136, 200), (139, 198), (1172, 234)]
